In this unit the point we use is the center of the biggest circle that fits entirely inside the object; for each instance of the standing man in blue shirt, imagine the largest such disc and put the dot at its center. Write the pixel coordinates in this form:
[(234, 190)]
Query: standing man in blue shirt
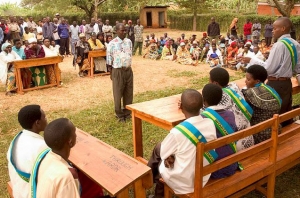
[(118, 58), (63, 33)]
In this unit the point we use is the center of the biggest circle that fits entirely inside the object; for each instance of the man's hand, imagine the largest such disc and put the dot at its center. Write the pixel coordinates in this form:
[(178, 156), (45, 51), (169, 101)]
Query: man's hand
[(246, 59), (169, 162)]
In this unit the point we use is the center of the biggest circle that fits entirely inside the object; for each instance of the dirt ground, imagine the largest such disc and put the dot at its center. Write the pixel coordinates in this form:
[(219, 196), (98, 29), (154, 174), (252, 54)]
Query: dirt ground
[(78, 93)]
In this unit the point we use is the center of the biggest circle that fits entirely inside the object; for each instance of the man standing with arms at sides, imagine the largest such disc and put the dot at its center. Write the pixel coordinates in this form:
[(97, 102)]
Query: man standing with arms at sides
[(130, 31), (283, 61), (213, 30), (138, 37), (119, 57), (63, 32), (48, 29), (31, 24), (74, 32)]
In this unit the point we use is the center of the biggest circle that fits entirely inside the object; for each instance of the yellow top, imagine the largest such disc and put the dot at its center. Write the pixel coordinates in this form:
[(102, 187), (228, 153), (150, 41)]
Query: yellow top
[(98, 45), (28, 36)]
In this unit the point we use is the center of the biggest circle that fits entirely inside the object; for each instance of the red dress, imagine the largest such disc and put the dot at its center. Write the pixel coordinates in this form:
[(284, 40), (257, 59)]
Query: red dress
[(247, 29)]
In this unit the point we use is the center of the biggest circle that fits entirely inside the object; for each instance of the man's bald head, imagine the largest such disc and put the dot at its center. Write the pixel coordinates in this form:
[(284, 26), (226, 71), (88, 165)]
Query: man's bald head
[(191, 101), (281, 26)]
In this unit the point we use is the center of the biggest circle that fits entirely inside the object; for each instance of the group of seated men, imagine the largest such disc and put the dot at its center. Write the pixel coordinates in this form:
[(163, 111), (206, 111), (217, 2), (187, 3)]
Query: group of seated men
[(225, 51)]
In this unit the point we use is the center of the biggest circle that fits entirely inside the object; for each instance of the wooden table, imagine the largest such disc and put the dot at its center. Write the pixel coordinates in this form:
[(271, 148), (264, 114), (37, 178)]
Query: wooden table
[(112, 169), (92, 55), (34, 63), (164, 113)]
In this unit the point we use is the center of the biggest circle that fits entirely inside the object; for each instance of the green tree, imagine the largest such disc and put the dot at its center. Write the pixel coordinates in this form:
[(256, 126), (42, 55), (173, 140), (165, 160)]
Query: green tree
[(285, 8), (194, 6), (90, 7)]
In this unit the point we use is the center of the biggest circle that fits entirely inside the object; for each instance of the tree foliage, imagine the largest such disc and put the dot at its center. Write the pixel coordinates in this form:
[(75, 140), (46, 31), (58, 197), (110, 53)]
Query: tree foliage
[(286, 7), (88, 6)]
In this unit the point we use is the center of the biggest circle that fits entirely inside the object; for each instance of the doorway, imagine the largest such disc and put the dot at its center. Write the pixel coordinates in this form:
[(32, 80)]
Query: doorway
[(149, 19), (161, 19)]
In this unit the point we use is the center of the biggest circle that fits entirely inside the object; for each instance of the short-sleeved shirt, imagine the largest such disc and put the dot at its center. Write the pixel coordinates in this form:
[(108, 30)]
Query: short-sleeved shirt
[(74, 30), (138, 33), (119, 53)]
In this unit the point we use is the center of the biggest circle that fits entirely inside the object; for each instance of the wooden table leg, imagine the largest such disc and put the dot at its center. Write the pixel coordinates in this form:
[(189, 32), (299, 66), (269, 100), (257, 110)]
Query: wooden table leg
[(57, 74), (137, 136), (124, 193), (19, 81), (92, 67), (139, 190)]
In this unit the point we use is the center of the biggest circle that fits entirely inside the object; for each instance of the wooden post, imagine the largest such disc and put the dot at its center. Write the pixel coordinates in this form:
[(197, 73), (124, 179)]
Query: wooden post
[(198, 182)]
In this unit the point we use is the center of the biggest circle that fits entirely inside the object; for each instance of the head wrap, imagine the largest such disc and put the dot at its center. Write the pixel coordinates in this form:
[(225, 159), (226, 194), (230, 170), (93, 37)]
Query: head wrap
[(248, 43), (233, 44), (204, 34), (32, 40), (195, 42), (182, 44), (82, 35), (129, 21), (5, 45)]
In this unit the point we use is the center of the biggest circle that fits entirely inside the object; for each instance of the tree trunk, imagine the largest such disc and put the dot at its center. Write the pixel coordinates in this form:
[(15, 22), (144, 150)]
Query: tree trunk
[(238, 6), (195, 16), (286, 9), (95, 11)]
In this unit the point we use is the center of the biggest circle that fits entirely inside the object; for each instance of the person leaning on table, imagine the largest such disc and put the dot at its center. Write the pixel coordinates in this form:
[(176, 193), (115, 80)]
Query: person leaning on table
[(119, 58)]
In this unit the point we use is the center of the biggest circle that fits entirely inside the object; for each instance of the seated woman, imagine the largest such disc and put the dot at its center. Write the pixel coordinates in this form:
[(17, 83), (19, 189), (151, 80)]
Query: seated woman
[(7, 75), (100, 37), (81, 55), (183, 55), (151, 52), (263, 99), (214, 57), (36, 51), (99, 62), (168, 52), (232, 52), (49, 52)]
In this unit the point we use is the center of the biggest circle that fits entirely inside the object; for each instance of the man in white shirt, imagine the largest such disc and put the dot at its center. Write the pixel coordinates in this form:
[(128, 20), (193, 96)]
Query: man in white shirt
[(52, 176), (174, 158), (74, 32), (25, 148)]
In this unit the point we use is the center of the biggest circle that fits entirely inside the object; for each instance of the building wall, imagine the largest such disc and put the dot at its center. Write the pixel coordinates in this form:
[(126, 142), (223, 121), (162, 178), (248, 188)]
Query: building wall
[(266, 9), (155, 16)]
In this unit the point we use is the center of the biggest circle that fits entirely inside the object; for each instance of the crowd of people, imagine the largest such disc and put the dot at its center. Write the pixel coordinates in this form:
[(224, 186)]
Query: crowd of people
[(221, 109)]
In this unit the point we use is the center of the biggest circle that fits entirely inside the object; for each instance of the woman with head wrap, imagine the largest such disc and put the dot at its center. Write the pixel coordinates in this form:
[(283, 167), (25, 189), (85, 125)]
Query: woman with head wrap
[(151, 52), (233, 27), (7, 76), (99, 62), (183, 55), (36, 51), (168, 52), (81, 55)]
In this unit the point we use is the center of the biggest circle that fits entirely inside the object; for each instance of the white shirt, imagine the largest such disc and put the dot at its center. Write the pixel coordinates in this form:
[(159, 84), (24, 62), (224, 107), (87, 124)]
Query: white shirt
[(181, 177), (51, 51), (96, 28), (26, 149), (279, 63), (218, 52), (107, 29), (259, 55), (55, 179)]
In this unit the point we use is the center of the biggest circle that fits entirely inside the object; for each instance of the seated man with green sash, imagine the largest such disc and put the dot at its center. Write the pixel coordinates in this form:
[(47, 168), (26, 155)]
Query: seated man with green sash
[(224, 122), (25, 148), (174, 158), (52, 176), (233, 100)]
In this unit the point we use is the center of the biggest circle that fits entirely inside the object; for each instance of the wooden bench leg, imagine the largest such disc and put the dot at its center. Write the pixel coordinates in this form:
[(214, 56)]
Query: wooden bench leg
[(139, 190), (167, 191), (271, 185), (124, 193)]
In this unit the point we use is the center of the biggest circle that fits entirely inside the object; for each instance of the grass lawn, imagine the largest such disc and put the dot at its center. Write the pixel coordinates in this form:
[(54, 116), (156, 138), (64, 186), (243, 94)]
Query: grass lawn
[(99, 121)]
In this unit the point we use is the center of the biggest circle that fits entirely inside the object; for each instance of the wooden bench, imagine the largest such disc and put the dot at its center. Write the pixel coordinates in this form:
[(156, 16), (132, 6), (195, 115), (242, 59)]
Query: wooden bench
[(34, 63), (112, 169), (92, 55), (262, 162), (165, 114)]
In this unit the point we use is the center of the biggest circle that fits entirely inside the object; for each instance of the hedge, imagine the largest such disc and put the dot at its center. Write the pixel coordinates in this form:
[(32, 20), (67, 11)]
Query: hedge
[(185, 22)]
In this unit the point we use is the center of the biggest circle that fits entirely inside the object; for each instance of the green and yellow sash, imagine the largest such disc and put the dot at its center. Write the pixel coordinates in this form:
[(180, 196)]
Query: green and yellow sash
[(222, 126), (293, 51), (240, 102), (195, 136), (272, 91), (34, 173), (23, 175)]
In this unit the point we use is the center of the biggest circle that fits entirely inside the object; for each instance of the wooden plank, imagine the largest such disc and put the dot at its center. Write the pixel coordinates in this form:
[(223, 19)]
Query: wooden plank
[(137, 136), (37, 62), (113, 170), (93, 54)]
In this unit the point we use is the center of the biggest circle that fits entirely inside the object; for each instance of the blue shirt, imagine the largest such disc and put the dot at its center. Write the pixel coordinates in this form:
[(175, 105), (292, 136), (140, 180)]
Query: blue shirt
[(20, 52), (63, 31), (119, 53)]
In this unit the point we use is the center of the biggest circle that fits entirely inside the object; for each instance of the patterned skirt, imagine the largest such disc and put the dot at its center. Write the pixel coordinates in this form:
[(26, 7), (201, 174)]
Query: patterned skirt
[(50, 74), (11, 82)]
